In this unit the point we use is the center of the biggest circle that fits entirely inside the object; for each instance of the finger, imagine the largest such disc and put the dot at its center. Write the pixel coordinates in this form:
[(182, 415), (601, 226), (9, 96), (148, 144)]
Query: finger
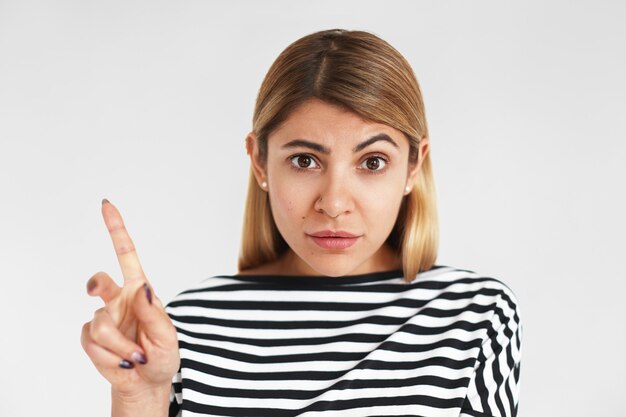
[(101, 285), (105, 333), (157, 301), (123, 244), (101, 357), (153, 319)]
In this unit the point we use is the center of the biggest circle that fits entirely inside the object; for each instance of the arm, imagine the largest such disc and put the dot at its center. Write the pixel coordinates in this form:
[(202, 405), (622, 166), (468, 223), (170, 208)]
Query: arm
[(494, 388)]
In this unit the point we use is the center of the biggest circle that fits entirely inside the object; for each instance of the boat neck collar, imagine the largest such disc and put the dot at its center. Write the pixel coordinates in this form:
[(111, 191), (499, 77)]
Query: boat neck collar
[(322, 279)]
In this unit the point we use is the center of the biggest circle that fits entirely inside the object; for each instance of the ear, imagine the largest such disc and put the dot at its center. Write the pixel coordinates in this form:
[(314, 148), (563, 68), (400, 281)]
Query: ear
[(258, 167), (414, 170)]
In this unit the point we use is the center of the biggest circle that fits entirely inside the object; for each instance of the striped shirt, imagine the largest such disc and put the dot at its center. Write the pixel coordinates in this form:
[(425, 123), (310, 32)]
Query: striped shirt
[(446, 344)]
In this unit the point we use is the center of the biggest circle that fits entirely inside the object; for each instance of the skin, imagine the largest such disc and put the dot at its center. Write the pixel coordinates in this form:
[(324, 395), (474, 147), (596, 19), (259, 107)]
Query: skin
[(333, 191), (132, 326), (358, 192)]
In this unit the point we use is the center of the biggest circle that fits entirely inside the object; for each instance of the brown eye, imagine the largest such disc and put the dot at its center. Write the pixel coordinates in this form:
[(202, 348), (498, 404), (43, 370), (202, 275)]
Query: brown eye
[(303, 162), (375, 163)]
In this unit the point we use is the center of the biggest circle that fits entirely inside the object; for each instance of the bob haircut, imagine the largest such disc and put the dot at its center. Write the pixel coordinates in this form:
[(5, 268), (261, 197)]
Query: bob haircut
[(360, 72)]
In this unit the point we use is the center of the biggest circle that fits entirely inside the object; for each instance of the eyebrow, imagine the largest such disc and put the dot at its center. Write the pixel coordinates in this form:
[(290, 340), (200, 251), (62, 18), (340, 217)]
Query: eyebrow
[(303, 143)]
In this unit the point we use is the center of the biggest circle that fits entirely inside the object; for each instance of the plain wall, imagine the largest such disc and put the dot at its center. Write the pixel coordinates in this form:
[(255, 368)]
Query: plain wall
[(147, 103)]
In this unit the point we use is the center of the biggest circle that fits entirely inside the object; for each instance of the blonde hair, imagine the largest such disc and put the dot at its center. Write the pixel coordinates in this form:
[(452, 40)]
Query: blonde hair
[(358, 71)]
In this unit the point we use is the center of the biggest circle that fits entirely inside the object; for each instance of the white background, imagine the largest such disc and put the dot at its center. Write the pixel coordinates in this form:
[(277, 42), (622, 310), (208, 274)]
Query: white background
[(148, 103)]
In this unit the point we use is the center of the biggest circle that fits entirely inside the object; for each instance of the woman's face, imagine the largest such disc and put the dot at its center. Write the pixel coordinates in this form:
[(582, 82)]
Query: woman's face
[(331, 173)]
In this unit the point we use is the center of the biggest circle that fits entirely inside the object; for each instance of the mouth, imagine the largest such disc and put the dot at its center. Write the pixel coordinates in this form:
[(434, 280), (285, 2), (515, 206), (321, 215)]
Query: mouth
[(327, 239), (331, 233)]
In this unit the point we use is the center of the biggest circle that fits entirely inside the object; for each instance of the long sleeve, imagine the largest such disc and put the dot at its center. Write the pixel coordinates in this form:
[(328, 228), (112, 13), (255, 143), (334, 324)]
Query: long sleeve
[(176, 396), (494, 387)]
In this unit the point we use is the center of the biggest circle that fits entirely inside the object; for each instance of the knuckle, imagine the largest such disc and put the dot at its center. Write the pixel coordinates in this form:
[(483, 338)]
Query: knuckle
[(84, 334), (100, 277), (136, 277), (100, 331), (126, 249), (116, 226), (99, 274), (99, 314), (85, 328)]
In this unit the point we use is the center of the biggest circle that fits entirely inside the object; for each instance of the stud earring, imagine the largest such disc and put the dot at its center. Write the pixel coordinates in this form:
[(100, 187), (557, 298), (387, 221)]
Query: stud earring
[(264, 185), (407, 189)]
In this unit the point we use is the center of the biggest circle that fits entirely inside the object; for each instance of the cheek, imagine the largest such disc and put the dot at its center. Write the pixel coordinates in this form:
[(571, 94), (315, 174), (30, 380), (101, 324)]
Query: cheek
[(287, 202), (379, 206)]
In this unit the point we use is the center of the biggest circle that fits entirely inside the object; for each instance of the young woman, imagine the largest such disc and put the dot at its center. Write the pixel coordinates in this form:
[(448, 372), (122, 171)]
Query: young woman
[(338, 308)]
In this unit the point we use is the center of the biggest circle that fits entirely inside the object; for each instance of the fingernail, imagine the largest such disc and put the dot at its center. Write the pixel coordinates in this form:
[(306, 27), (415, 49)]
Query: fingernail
[(125, 364), (104, 200), (148, 292), (91, 285), (138, 358)]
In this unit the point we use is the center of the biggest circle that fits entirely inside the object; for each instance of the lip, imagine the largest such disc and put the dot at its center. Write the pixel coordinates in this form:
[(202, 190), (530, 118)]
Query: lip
[(330, 233), (328, 239)]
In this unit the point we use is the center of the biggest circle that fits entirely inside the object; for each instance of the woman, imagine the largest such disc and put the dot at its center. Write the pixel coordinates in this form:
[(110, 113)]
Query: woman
[(338, 307)]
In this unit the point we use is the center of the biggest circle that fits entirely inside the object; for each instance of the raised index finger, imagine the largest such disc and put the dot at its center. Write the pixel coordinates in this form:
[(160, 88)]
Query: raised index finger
[(124, 247)]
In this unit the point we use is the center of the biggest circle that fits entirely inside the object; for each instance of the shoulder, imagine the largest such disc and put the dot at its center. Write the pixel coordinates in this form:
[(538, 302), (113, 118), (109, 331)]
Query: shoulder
[(455, 279), (472, 290), (492, 306)]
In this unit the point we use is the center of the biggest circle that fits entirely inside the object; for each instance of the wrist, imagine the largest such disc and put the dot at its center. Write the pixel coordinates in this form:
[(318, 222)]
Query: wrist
[(149, 401)]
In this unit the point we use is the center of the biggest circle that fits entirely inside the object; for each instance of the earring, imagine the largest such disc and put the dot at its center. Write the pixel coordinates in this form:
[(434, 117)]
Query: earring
[(407, 189), (264, 185)]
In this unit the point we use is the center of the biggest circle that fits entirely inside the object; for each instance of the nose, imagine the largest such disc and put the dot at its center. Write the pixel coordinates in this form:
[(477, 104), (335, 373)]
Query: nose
[(335, 195)]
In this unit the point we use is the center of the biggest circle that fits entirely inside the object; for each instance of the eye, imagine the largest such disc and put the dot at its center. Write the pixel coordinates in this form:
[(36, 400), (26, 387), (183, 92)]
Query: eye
[(374, 163), (303, 162)]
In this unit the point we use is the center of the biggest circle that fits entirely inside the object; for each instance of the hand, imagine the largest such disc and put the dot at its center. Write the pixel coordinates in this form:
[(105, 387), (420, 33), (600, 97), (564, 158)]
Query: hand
[(131, 340)]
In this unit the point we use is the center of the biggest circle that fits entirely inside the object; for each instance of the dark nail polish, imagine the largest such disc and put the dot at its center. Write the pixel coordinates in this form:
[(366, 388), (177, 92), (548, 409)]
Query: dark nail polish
[(125, 364), (138, 358), (104, 200), (148, 293), (91, 285)]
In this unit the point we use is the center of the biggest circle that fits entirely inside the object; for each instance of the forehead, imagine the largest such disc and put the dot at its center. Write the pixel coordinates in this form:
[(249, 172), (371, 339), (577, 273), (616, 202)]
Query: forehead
[(325, 123)]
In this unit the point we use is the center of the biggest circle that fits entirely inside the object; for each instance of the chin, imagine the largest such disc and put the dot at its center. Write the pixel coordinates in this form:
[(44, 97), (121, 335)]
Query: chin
[(333, 269)]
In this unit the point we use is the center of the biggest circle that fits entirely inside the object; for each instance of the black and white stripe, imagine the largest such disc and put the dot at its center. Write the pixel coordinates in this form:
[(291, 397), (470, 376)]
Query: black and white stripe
[(447, 344)]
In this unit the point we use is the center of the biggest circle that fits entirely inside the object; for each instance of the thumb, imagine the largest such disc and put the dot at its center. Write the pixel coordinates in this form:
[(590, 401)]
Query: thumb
[(152, 318)]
